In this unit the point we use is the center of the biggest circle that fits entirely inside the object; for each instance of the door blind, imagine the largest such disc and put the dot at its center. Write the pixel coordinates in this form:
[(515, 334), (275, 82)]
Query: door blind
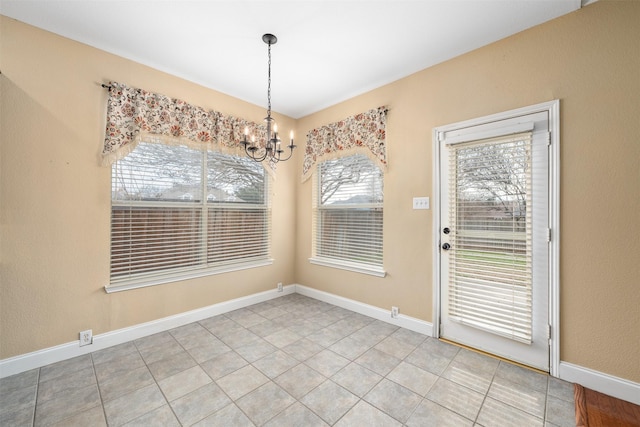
[(490, 260)]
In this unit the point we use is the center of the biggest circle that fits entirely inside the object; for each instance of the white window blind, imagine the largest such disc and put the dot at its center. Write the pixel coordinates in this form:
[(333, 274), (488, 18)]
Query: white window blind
[(348, 212), (177, 210), (490, 260)]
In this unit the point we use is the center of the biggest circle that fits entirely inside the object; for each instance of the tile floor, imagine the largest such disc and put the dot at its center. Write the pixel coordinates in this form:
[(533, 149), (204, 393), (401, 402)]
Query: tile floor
[(292, 361)]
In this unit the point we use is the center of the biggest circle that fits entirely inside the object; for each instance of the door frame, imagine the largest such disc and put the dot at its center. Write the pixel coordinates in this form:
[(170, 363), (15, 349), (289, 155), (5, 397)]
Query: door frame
[(553, 110)]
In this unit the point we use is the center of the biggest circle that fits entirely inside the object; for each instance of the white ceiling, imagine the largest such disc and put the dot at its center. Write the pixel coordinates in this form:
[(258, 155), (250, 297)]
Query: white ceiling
[(327, 51)]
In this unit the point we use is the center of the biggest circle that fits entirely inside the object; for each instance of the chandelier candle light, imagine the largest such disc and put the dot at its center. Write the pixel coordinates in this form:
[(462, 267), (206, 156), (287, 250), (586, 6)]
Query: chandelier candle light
[(271, 151)]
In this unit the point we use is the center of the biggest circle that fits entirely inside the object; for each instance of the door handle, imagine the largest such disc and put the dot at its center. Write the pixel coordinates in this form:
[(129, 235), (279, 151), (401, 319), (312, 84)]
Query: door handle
[(446, 246)]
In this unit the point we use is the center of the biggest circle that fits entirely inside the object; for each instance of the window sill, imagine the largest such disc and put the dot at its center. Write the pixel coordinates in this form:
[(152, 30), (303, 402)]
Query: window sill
[(143, 282), (350, 266)]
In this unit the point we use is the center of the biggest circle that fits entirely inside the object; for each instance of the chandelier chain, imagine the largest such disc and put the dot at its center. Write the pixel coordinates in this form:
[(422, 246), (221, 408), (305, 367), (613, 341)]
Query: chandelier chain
[(269, 84)]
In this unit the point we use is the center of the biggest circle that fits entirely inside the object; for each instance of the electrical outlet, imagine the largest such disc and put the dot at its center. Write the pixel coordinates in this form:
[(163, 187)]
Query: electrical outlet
[(280, 287), (86, 337), (394, 312)]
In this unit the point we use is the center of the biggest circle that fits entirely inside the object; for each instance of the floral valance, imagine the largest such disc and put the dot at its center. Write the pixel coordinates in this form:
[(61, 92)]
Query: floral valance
[(364, 133), (135, 114)]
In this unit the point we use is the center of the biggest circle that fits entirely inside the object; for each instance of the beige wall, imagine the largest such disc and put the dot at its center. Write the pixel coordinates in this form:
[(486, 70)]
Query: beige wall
[(55, 197), (590, 60), (54, 209)]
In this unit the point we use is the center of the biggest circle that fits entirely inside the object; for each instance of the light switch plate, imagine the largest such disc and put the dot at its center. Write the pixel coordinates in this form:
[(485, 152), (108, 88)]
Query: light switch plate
[(420, 203)]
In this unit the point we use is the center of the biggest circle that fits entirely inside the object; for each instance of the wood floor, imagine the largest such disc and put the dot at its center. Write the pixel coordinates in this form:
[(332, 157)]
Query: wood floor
[(595, 409)]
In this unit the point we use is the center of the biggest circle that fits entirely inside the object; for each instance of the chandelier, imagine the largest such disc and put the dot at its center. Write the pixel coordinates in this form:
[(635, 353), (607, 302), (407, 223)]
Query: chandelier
[(270, 150)]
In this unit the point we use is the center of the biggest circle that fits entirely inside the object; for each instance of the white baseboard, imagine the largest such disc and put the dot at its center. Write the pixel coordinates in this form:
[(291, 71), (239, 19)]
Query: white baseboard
[(403, 321), (37, 359), (598, 381)]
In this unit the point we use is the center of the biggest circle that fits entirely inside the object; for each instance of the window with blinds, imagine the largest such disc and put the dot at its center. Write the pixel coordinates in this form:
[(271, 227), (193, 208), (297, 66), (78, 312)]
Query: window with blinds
[(178, 212), (348, 214), (490, 260)]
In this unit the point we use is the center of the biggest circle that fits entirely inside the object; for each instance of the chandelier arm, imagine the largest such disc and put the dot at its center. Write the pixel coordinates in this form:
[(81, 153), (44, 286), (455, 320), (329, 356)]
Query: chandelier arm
[(291, 147), (252, 150)]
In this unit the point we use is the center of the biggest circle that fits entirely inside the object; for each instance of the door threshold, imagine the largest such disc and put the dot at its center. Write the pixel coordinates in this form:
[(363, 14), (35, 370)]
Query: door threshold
[(475, 350)]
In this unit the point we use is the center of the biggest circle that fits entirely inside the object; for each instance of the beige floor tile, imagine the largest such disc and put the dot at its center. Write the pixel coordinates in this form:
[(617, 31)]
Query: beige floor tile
[(561, 389), (282, 338), (560, 412), (433, 361), (495, 413), (17, 399), (228, 416), (153, 341), (65, 367), (172, 365), (70, 381), (523, 376), (300, 380), (65, 405), (93, 417), (218, 325), (266, 328), (264, 403), (302, 349), (18, 381), (132, 405), (200, 404), (238, 337), (350, 348), (395, 347), (518, 396), (184, 382), (242, 381), (162, 416), (187, 330), (415, 379), (378, 361), (409, 337), (223, 365), (430, 414), (395, 400), (275, 364), (296, 415), (357, 379), (17, 406), (474, 379), (327, 362), (119, 366), (364, 414), (162, 351), (255, 350), (456, 398), (287, 361), (114, 353), (205, 351), (330, 401), (199, 337), (117, 385)]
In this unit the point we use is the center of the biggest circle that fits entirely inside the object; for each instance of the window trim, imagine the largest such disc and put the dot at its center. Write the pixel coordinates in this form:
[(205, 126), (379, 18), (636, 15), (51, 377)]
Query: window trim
[(356, 267), (349, 266), (142, 280)]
